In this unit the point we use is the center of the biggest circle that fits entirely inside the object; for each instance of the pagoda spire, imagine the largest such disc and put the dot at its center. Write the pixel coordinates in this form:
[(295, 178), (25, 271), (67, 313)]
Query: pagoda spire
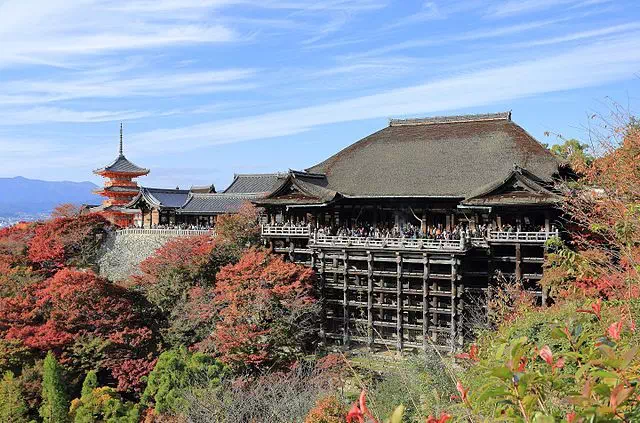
[(121, 139)]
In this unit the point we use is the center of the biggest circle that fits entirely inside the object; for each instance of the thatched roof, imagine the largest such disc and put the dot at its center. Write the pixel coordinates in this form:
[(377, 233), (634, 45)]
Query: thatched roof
[(435, 157)]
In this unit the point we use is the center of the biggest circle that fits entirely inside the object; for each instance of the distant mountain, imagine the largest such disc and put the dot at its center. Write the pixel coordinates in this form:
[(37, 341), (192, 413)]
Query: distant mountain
[(22, 197)]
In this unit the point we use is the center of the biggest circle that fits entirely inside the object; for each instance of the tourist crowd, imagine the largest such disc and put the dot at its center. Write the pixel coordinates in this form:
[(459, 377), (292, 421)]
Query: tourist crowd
[(183, 226), (411, 231)]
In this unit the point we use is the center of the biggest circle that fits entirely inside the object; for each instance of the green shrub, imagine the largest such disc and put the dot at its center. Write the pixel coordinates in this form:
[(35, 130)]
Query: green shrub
[(176, 372), (101, 404), (559, 363)]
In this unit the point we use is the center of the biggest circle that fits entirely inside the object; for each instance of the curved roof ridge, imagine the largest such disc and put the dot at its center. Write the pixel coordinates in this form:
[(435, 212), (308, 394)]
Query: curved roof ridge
[(434, 120), (223, 194), (122, 165)]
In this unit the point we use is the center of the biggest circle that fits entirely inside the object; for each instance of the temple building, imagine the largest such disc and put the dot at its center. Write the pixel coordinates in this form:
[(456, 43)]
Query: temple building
[(409, 226), (119, 188), (199, 207), (408, 229)]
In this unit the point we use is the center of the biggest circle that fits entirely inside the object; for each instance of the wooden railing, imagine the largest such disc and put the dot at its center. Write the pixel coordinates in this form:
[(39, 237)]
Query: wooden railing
[(391, 243), (165, 232), (499, 236), (316, 239), (286, 231)]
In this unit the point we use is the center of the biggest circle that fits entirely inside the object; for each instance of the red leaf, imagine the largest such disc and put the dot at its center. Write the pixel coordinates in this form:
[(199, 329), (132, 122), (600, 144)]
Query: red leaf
[(546, 355), (615, 329)]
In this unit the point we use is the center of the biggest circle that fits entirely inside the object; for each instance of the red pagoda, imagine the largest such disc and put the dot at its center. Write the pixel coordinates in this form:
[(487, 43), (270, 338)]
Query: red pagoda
[(119, 188)]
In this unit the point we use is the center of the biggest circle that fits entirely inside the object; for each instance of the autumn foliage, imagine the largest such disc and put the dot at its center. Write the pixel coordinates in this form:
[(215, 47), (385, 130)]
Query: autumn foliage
[(266, 309), (603, 215), (76, 311), (67, 242), (65, 210), (240, 229)]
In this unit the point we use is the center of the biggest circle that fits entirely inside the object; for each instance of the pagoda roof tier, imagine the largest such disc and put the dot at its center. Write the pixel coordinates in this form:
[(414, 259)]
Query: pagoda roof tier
[(113, 209), (114, 189), (122, 165)]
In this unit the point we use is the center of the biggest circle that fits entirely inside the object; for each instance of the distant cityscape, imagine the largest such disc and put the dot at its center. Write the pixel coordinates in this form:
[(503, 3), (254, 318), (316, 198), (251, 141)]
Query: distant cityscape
[(12, 220)]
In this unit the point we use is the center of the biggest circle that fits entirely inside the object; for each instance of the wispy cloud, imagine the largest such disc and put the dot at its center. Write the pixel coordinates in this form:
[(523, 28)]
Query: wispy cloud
[(113, 86), (511, 8), (191, 74), (480, 34), (429, 11), (577, 68), (581, 35)]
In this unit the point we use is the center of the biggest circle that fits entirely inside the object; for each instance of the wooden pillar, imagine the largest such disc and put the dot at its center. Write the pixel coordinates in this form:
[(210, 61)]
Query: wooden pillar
[(399, 306), (454, 277), (370, 299), (425, 301), (323, 309), (460, 306), (547, 222), (434, 314), (518, 262), (545, 292), (292, 248), (345, 298)]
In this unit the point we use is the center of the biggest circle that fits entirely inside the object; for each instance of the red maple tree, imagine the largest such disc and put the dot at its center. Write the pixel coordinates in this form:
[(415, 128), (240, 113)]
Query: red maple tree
[(67, 241), (88, 321), (266, 311)]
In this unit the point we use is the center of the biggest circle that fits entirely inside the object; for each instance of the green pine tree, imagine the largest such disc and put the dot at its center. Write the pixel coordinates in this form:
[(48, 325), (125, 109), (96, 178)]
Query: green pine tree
[(13, 408), (90, 383), (55, 406)]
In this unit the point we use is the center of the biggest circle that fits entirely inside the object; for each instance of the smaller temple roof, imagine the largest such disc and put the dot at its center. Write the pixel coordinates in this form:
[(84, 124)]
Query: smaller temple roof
[(162, 197), (215, 203), (519, 187), (300, 188), (255, 183), (203, 189)]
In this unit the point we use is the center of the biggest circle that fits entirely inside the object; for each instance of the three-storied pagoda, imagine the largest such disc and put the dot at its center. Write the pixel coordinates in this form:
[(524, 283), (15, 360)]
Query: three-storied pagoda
[(119, 188)]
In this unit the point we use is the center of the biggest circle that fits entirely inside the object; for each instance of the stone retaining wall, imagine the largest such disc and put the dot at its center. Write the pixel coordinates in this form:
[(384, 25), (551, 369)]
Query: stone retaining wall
[(123, 251)]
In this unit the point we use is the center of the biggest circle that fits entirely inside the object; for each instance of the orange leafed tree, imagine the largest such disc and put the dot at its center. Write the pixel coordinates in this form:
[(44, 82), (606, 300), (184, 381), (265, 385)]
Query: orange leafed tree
[(603, 209), (65, 210), (67, 241), (89, 322), (241, 229), (267, 311)]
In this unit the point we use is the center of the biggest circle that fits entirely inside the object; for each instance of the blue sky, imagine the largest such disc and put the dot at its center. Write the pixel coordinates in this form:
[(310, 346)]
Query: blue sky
[(207, 88)]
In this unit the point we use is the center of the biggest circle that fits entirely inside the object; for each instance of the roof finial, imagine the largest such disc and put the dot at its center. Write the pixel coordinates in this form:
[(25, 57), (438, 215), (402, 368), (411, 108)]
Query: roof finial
[(121, 138)]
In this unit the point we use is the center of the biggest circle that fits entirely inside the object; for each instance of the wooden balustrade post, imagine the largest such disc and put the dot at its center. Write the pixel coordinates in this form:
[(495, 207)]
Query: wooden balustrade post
[(345, 298), (399, 305), (454, 279), (425, 301), (370, 299)]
